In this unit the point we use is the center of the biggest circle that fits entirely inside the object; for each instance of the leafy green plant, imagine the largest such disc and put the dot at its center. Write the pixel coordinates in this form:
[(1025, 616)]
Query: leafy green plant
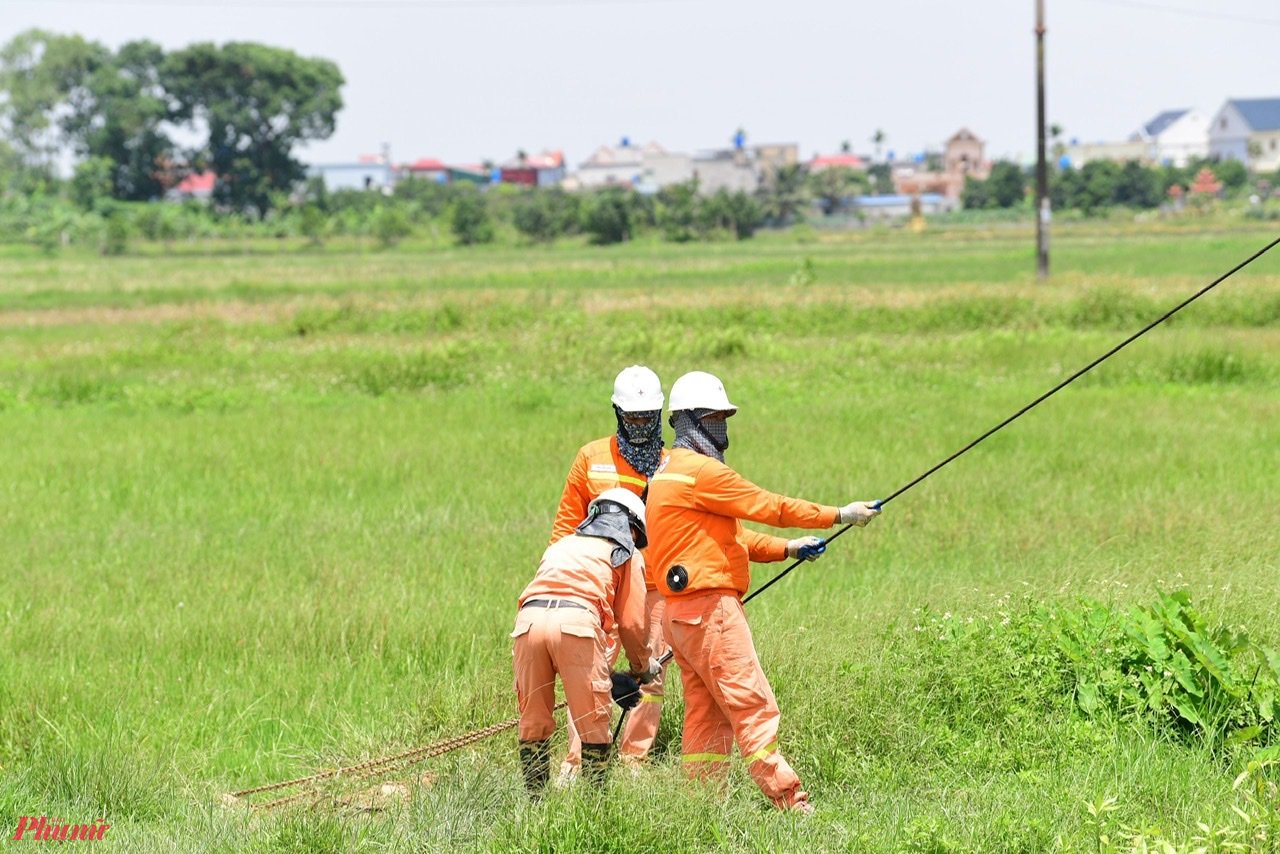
[(1163, 661)]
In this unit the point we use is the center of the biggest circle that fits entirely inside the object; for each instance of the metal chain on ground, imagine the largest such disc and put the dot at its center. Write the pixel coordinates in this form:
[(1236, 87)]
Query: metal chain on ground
[(373, 766)]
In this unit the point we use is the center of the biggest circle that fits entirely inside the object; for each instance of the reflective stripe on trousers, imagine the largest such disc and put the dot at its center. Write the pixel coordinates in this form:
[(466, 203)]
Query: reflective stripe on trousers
[(726, 695)]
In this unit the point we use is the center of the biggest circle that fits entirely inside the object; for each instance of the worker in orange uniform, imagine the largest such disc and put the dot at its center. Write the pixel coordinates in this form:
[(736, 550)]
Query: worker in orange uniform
[(626, 459), (699, 562), (586, 584)]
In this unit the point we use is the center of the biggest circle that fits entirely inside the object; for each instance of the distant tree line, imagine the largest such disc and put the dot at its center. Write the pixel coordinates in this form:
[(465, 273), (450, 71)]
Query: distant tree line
[(1103, 184), (117, 112), (243, 108)]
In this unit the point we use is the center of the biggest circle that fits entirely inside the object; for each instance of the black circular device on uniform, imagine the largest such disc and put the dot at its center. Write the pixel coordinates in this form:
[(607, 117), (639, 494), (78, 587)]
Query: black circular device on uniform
[(677, 578)]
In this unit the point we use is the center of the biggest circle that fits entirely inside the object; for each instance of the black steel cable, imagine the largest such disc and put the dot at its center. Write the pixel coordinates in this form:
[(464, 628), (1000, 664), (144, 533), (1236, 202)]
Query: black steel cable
[(1005, 423)]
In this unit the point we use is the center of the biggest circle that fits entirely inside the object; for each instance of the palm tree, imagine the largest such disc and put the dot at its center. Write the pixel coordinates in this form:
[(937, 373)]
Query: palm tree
[(878, 138), (786, 193)]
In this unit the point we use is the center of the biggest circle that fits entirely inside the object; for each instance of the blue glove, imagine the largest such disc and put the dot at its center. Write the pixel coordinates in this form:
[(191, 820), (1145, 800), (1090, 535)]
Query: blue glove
[(806, 548)]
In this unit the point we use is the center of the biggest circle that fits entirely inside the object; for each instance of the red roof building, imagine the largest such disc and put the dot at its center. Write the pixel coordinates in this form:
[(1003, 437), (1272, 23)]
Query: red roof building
[(826, 161), (197, 185)]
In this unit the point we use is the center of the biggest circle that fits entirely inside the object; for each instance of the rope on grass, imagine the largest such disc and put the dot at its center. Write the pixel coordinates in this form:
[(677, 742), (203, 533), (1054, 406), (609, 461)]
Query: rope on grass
[(376, 766)]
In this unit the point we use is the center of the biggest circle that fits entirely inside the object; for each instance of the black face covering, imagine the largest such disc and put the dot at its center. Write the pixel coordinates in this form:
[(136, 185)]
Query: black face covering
[(640, 444), (710, 438), (717, 432)]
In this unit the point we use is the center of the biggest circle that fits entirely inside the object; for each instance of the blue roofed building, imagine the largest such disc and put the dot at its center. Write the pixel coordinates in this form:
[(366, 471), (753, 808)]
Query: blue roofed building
[(1175, 137), (1248, 130)]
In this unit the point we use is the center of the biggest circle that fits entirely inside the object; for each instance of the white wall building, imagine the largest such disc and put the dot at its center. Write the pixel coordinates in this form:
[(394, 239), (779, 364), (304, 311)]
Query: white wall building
[(626, 165), (732, 169), (1176, 137), (373, 173), (1248, 130)]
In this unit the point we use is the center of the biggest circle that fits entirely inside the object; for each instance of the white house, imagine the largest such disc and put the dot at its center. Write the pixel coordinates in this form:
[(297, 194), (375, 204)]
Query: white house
[(628, 165), (370, 172), (1248, 130), (1175, 137), (732, 169)]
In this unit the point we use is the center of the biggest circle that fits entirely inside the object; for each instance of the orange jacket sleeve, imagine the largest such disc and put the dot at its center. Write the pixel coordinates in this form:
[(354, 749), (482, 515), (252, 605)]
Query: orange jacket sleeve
[(723, 491), (574, 500), (630, 614), (763, 548)]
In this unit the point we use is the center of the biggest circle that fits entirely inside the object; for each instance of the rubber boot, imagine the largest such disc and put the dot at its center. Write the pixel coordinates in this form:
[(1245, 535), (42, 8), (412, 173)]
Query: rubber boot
[(535, 762), (595, 763)]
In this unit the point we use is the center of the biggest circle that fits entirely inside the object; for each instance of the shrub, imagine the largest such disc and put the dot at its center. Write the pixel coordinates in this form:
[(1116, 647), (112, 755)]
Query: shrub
[(607, 218), (390, 225), (470, 220)]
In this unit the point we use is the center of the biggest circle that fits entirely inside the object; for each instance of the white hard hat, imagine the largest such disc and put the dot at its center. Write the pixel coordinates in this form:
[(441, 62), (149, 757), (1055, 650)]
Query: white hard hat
[(631, 503), (637, 389), (700, 390)]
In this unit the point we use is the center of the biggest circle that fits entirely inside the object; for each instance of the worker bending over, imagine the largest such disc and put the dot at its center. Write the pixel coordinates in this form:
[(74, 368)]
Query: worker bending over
[(586, 584)]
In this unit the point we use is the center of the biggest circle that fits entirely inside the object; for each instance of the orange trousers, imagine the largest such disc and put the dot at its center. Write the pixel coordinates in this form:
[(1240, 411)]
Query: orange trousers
[(642, 722), (568, 642), (726, 695)]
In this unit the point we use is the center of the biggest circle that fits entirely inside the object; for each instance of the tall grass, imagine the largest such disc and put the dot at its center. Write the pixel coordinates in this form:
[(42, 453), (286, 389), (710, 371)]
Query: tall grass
[(253, 532)]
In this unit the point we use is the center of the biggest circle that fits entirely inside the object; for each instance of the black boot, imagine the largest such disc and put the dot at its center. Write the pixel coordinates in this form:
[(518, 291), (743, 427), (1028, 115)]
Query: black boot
[(535, 762), (595, 763)]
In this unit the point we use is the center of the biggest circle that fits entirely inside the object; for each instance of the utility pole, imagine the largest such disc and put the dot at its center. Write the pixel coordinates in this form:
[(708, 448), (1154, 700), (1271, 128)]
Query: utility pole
[(1042, 169)]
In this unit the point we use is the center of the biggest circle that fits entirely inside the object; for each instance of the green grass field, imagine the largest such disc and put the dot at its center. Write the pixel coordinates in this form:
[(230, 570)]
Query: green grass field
[(266, 511)]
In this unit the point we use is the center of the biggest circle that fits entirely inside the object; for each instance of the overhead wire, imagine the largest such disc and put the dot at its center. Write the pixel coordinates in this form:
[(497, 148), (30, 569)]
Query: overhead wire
[(1195, 13), (315, 5), (1006, 422)]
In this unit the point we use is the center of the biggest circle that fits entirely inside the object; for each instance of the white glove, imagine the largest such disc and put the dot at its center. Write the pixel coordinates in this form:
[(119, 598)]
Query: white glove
[(806, 547), (859, 513), (644, 677)]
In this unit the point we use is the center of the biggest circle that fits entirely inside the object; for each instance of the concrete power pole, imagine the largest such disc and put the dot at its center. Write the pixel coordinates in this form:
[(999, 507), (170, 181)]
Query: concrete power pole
[(1042, 169)]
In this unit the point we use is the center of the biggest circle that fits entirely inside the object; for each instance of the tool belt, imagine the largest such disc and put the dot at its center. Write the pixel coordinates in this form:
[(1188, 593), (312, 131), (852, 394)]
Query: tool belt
[(553, 603)]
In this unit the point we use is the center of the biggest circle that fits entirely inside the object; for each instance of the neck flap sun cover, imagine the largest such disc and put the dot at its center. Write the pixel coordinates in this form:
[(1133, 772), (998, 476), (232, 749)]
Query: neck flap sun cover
[(611, 523)]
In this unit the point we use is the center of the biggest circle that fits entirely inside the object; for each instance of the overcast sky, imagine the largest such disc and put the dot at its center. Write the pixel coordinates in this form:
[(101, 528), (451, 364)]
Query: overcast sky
[(468, 80)]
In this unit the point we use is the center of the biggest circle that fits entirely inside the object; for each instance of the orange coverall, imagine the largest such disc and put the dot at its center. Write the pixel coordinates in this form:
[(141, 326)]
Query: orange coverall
[(693, 512), (571, 641), (598, 466)]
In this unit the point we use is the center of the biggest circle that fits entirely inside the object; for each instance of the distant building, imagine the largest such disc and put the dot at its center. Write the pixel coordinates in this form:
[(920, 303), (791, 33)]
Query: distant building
[(197, 185), (900, 205), (471, 173), (1248, 130), (540, 170), (1175, 137), (821, 162), (771, 155), (649, 168), (962, 158), (731, 169), (425, 168), (369, 172), (627, 165), (1077, 154)]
